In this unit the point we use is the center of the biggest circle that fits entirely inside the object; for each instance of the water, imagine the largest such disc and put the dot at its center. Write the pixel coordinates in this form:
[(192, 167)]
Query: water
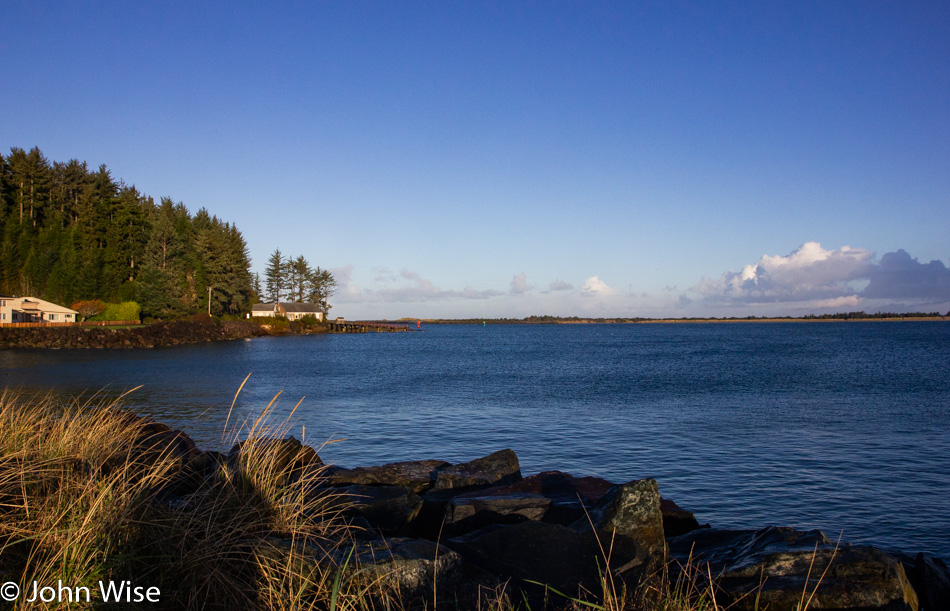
[(838, 426)]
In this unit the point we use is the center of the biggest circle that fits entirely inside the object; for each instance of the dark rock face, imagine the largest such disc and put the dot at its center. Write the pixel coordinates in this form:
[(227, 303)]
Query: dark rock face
[(777, 565), (930, 578), (413, 571), (676, 520), (498, 468), (534, 551), (628, 517), (551, 496), (419, 475), (386, 508)]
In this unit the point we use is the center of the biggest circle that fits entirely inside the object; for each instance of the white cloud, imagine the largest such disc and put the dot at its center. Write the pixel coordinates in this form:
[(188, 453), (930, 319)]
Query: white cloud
[(597, 287), (519, 284), (808, 273)]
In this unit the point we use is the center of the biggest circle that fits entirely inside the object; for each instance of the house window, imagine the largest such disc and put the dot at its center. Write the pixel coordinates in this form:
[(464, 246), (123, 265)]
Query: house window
[(51, 316)]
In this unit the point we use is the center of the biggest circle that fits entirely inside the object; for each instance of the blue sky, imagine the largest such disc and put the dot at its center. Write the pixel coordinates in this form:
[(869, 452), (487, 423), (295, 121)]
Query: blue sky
[(508, 159)]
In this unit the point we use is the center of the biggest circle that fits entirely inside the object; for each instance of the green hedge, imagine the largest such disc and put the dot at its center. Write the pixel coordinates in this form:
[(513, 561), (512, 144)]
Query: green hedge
[(127, 310)]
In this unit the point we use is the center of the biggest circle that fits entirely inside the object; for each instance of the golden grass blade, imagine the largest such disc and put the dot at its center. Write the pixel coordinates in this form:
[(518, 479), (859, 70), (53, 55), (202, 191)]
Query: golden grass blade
[(233, 402)]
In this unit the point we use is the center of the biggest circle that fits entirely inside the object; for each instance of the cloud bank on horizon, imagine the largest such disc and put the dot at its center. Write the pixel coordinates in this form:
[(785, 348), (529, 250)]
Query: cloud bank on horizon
[(810, 279)]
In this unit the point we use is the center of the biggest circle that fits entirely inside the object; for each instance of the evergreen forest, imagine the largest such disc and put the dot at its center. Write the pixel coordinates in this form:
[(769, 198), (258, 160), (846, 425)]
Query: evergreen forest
[(71, 233)]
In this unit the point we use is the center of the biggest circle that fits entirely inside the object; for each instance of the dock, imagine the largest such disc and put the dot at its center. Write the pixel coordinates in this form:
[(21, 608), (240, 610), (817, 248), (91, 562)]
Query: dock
[(363, 326)]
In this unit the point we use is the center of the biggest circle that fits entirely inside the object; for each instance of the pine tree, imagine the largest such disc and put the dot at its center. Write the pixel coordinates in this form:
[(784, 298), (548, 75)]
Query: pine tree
[(274, 276)]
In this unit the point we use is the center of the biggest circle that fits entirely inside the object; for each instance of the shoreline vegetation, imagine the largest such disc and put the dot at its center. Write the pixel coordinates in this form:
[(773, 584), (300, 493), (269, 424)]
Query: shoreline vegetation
[(92, 496)]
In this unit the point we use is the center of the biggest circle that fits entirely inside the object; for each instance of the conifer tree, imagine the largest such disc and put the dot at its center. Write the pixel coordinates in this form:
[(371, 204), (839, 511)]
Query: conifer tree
[(274, 276)]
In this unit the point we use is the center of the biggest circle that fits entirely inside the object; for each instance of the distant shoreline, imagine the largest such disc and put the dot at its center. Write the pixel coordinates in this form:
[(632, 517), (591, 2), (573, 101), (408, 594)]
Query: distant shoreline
[(601, 321)]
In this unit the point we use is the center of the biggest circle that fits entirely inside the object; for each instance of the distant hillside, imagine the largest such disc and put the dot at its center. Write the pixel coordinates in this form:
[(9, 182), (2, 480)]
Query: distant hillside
[(68, 233)]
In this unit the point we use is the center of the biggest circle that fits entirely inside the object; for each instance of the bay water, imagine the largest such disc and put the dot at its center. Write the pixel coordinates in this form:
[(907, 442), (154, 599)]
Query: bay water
[(839, 426)]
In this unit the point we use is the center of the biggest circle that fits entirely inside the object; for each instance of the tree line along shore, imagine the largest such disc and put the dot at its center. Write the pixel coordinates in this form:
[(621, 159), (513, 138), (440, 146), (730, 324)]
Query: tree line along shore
[(71, 233)]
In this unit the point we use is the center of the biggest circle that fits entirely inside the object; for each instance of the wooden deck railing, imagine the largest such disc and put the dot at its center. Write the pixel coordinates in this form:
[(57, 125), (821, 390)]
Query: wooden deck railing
[(88, 323)]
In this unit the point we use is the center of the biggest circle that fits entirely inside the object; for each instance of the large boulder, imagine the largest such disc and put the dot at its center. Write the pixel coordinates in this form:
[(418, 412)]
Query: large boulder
[(535, 552), (415, 572), (551, 496), (157, 443), (497, 468), (628, 519), (778, 568), (287, 457), (386, 508), (419, 475), (388, 573)]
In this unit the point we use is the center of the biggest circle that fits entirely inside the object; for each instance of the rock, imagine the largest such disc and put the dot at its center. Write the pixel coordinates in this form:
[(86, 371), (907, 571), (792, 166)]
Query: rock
[(413, 571), (466, 513), (156, 440), (419, 475), (201, 468), (676, 520), (777, 565), (931, 580), (394, 573), (387, 508), (628, 518), (498, 468), (281, 456), (551, 496), (542, 552)]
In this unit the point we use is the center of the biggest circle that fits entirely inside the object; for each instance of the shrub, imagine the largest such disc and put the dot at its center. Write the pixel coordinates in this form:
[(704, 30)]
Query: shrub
[(89, 308), (127, 310), (308, 321)]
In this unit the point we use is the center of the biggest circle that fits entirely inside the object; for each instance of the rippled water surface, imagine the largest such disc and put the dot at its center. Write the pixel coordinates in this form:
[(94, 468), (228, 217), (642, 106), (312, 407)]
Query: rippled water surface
[(838, 426)]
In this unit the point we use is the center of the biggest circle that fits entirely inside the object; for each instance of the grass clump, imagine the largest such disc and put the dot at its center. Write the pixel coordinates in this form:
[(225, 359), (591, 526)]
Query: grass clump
[(90, 493)]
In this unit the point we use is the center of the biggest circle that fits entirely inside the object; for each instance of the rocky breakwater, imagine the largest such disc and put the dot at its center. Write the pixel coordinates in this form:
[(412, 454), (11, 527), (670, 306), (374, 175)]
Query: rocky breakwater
[(447, 532), (197, 330)]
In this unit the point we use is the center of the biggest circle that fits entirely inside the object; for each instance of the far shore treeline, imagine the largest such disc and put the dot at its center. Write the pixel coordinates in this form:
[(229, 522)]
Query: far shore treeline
[(70, 233)]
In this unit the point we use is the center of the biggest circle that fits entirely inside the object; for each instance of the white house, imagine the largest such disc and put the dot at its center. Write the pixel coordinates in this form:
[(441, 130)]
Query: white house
[(291, 311), (296, 311), (33, 309), (266, 309)]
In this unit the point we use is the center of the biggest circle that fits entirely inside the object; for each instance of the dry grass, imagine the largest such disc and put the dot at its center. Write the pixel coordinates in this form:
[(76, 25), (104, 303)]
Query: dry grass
[(84, 497)]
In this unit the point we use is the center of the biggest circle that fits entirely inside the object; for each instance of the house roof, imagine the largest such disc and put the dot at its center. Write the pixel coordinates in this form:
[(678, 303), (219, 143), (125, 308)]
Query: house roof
[(35, 304), (306, 308), (264, 307)]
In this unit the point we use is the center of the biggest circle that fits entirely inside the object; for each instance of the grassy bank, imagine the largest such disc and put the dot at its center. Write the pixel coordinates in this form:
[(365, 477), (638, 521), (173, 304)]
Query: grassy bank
[(91, 494)]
